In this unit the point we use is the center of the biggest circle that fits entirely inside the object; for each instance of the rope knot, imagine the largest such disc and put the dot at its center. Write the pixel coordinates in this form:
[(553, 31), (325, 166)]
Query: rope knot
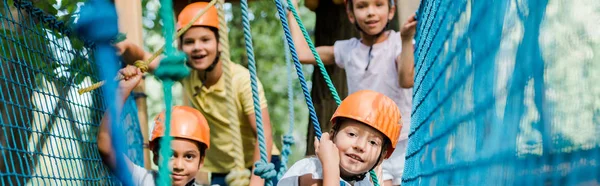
[(173, 67), (265, 170), (288, 140), (98, 21), (141, 65), (238, 177)]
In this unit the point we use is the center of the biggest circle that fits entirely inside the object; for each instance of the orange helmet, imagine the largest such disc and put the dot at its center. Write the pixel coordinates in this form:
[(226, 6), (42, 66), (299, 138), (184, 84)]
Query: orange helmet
[(209, 18), (186, 122), (374, 109)]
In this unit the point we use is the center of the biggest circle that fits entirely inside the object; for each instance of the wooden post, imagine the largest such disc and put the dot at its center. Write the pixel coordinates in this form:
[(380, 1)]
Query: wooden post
[(130, 23), (406, 8)]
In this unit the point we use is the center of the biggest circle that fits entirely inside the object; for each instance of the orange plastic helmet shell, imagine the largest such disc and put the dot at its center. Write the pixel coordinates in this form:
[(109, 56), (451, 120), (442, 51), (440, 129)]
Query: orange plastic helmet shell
[(374, 109), (209, 18), (186, 122)]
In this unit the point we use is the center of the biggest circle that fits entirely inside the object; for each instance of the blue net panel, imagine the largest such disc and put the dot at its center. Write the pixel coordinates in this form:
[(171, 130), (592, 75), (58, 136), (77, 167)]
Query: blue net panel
[(47, 130), (506, 93)]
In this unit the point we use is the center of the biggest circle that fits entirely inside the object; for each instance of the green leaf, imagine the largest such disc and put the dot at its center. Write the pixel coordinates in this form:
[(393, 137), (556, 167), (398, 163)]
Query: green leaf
[(79, 77), (46, 6), (81, 68), (77, 44)]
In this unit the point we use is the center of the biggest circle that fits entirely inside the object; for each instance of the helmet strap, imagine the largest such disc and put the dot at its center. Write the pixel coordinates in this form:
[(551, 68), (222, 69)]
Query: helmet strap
[(214, 63), (208, 70)]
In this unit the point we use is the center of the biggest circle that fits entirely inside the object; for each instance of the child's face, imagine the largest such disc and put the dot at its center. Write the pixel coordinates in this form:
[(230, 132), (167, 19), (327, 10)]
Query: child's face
[(371, 15), (359, 146), (200, 45), (185, 162)]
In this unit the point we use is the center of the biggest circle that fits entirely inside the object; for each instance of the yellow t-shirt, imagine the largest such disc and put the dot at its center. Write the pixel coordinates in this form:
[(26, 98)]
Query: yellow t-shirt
[(212, 102)]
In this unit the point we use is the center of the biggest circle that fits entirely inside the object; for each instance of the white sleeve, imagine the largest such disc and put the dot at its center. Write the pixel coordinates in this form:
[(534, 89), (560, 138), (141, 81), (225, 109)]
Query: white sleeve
[(338, 52), (301, 168), (395, 37), (139, 175)]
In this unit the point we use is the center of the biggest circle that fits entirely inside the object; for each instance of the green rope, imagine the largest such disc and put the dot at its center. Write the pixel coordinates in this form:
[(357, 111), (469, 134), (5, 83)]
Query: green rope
[(172, 68), (323, 72), (332, 89)]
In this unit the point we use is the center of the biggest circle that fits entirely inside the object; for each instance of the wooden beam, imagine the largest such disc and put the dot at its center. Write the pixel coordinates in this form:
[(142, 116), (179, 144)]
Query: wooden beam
[(130, 23), (405, 9)]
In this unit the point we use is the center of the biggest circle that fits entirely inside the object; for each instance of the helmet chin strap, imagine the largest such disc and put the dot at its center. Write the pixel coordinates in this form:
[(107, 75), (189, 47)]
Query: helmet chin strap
[(209, 69), (214, 63), (376, 36)]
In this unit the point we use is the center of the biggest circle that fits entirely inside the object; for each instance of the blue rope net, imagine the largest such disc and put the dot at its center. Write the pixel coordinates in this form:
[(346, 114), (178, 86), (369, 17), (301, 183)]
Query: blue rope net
[(505, 94), (48, 131)]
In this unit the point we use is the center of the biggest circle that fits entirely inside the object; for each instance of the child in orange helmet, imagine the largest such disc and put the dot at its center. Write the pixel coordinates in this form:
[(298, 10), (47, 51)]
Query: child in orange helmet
[(365, 128), (205, 90), (380, 59), (189, 130)]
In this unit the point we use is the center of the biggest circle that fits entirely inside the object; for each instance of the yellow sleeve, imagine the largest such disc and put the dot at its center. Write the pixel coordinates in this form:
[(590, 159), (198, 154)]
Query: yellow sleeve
[(245, 94)]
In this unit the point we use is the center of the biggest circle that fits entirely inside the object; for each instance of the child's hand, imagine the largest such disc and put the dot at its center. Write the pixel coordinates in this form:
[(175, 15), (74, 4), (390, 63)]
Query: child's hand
[(120, 47), (408, 29), (129, 51), (326, 150), (131, 77)]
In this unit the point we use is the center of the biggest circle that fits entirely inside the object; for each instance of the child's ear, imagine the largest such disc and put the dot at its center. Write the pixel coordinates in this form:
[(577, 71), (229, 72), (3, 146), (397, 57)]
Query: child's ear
[(218, 47), (201, 164), (333, 134), (382, 156), (392, 12), (350, 15)]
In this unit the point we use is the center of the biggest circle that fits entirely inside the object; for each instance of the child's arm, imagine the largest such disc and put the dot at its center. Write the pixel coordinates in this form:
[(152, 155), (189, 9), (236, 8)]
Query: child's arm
[(266, 121), (132, 76), (130, 53), (406, 61), (245, 95), (304, 54)]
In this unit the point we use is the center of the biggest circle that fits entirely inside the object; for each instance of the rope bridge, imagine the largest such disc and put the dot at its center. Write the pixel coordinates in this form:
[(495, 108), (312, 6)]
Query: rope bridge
[(48, 131), (505, 94)]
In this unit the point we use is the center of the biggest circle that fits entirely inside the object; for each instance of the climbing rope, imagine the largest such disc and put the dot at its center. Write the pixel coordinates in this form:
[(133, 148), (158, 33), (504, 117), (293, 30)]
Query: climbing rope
[(286, 30), (288, 139), (239, 176), (172, 68), (98, 23), (264, 169), (143, 64), (324, 73)]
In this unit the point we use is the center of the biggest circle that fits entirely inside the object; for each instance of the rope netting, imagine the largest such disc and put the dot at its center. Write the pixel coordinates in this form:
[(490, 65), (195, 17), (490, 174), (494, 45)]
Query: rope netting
[(506, 93), (48, 131)]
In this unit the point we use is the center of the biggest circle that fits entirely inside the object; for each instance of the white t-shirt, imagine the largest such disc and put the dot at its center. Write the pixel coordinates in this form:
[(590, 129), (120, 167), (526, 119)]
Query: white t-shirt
[(312, 166), (381, 75)]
